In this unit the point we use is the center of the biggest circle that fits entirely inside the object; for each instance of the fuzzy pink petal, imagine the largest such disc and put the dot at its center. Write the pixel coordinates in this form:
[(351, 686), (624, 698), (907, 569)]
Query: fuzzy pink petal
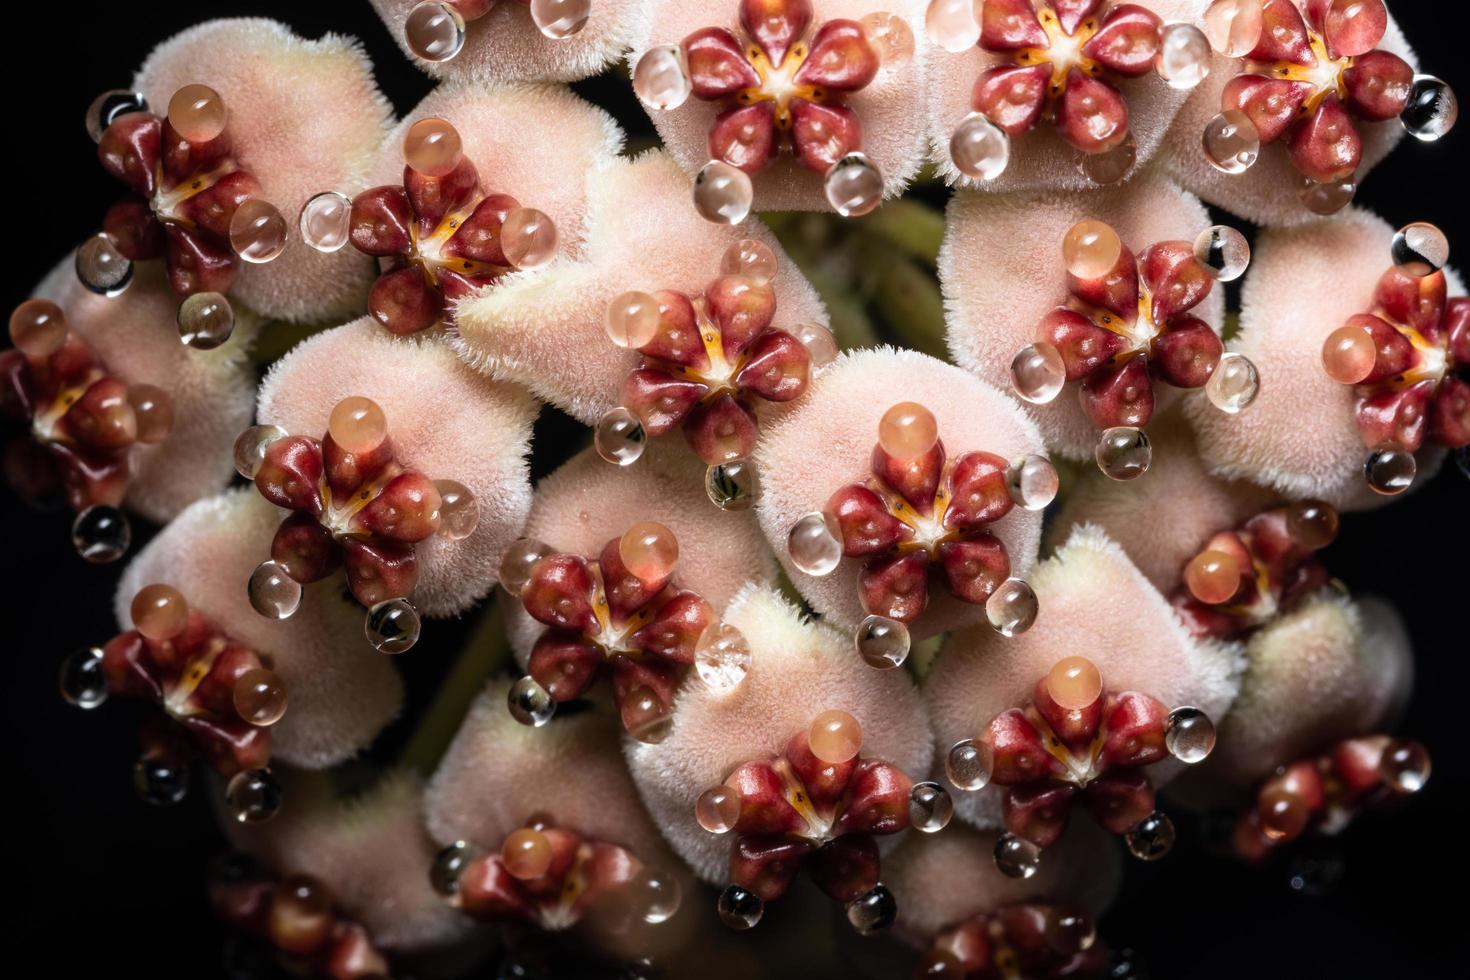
[(1001, 270), (826, 442), (1300, 437), (305, 117), (1095, 603), (340, 691), (1267, 193), (137, 336), (445, 420), (799, 669), (891, 108), (546, 330)]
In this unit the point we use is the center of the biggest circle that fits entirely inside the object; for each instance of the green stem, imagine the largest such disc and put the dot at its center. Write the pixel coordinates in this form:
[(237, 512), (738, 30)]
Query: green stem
[(911, 226), (484, 651), (908, 299)]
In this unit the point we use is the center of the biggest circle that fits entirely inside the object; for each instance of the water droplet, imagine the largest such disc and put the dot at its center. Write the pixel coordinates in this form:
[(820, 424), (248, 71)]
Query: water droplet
[(1183, 58), (432, 147), (873, 911), (907, 430), (1432, 109), (740, 908), (530, 703), (1234, 27), (101, 267), (434, 31), (1038, 373), (882, 642), (154, 410), (732, 486), (620, 437), (632, 319), (718, 810), (954, 25), (253, 796), (1090, 249), (159, 612), (930, 807), (722, 193), (1012, 607), (819, 342), (1349, 354), (1123, 453), (815, 544), (273, 593), (81, 680), (250, 448), (1405, 766), (259, 696), (459, 511), (1329, 197), (661, 78), (1074, 683), (101, 534), (110, 105), (969, 764), (1016, 857), (206, 320), (980, 149), (392, 626), (1212, 576), (559, 19), (448, 865), (38, 328), (326, 220), (750, 258), (1110, 166), (835, 736), (1420, 249), (158, 783), (1070, 933), (1152, 837), (519, 559), (721, 657), (1312, 523), (1223, 252), (655, 897), (1189, 735), (1234, 385), (197, 113), (854, 186), (1232, 143), (1390, 470), (528, 238), (890, 36), (1032, 481), (258, 231)]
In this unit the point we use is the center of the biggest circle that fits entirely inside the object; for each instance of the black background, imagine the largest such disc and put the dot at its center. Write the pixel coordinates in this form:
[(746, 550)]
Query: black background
[(101, 881)]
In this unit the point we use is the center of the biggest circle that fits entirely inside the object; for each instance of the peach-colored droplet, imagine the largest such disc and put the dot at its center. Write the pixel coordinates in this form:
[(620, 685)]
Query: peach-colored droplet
[(632, 319), (890, 35), (751, 258), (258, 231), (835, 736), (459, 511), (1091, 249), (160, 612), (526, 853), (1349, 354), (432, 147), (154, 410), (649, 550), (38, 328), (1234, 26), (528, 238), (718, 809), (1212, 576), (358, 424), (1074, 683), (300, 919), (1281, 813), (260, 697), (197, 113), (1313, 523), (907, 430)]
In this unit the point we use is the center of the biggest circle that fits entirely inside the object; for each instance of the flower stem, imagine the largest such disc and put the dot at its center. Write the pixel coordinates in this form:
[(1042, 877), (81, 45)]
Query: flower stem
[(484, 651)]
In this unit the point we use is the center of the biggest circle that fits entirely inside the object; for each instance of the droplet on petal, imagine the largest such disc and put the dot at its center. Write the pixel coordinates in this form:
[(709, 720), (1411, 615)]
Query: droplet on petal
[(1123, 453), (432, 147), (1074, 683), (954, 25), (1016, 857), (1312, 523), (1232, 143), (197, 113), (392, 626), (835, 736), (159, 612), (109, 106), (1327, 198), (722, 657), (1032, 481), (449, 864), (434, 31), (619, 437), (1212, 576), (81, 680), (273, 593), (908, 430), (526, 854), (632, 319), (159, 783), (519, 559), (732, 486), (1405, 766), (154, 410), (1189, 735), (38, 328), (528, 238), (258, 231), (723, 194), (1349, 354), (250, 448), (1432, 109), (980, 149), (646, 718), (1090, 249), (206, 320), (1110, 166), (357, 424), (253, 796), (101, 534), (718, 809), (101, 267), (459, 511), (1223, 252), (530, 703), (969, 765), (1038, 373), (1184, 56), (750, 258), (854, 185), (654, 897), (1234, 27), (1152, 837), (815, 543), (559, 19), (260, 697), (740, 908), (873, 911), (820, 344), (1420, 249), (661, 78), (326, 221), (1011, 608), (649, 550), (882, 642), (930, 807), (1390, 470), (890, 36)]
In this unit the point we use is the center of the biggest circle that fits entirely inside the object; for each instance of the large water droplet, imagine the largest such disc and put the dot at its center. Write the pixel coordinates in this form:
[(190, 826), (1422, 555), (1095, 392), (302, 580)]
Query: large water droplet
[(1432, 109), (661, 79), (930, 807), (620, 437), (1189, 735), (392, 626), (1152, 837), (81, 680), (530, 703), (968, 765), (101, 534), (1123, 453), (1016, 857), (980, 149), (1234, 384), (873, 911), (815, 544), (740, 908), (882, 642), (253, 796)]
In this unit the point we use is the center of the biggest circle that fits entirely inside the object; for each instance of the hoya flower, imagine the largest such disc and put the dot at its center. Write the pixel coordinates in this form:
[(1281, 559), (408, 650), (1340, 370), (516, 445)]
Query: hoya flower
[(808, 764), (796, 104), (1058, 94), (230, 127), (1099, 704), (512, 40), (1346, 299), (116, 411), (1304, 98)]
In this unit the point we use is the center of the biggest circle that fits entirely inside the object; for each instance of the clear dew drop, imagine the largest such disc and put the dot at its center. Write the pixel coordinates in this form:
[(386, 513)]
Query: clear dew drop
[(717, 810), (980, 149), (1327, 198), (882, 642), (890, 36), (101, 267), (751, 258), (722, 193), (814, 544), (253, 796), (528, 238), (632, 319), (519, 559), (392, 626), (448, 865), (1390, 470), (273, 593), (1234, 385), (853, 185), (661, 78), (259, 232), (1152, 837), (251, 445), (1032, 481), (81, 680), (101, 534), (158, 783), (930, 807), (530, 703), (459, 510), (1189, 735), (1110, 166), (1223, 252), (1232, 143), (434, 31), (560, 19), (1420, 249), (259, 697), (732, 486), (1016, 857), (1405, 766), (325, 222), (1184, 56), (969, 764), (721, 657), (873, 911), (1038, 373), (1432, 109), (1012, 607), (654, 896), (819, 342), (110, 105), (206, 320), (740, 908), (620, 437), (1123, 453), (954, 25)]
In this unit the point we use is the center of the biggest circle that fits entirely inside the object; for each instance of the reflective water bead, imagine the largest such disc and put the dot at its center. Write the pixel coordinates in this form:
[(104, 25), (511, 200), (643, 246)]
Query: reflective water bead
[(722, 657), (434, 31), (835, 736), (740, 908), (1223, 252), (882, 642), (1123, 453), (253, 796), (38, 328), (1090, 249), (1152, 837), (1349, 354), (814, 544), (732, 486), (357, 424), (1420, 249), (81, 680), (619, 437), (432, 147), (1232, 143), (206, 320), (752, 258), (655, 897), (873, 911), (1281, 814), (449, 864), (1312, 523), (528, 238), (632, 319), (530, 703), (459, 511), (819, 343), (1234, 27), (1074, 683), (649, 550), (258, 231), (251, 445), (661, 78), (907, 430), (154, 410), (1189, 735), (1183, 58), (954, 25), (101, 534), (519, 559), (1405, 766), (1110, 166), (1326, 198), (1038, 373), (890, 36), (526, 853), (930, 807), (101, 267), (259, 697), (645, 716), (392, 626), (1070, 933), (197, 113), (559, 19), (1390, 470), (1032, 481), (980, 149), (718, 810), (969, 765), (853, 185), (1212, 576), (326, 221), (722, 193), (159, 611), (1012, 607), (1016, 857), (1432, 109), (109, 106), (158, 783)]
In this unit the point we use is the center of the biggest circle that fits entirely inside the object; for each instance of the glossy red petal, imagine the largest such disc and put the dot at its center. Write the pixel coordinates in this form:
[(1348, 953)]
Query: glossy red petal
[(824, 134), (1092, 116), (1084, 345), (1271, 103), (896, 587), (841, 59), (866, 526), (975, 567), (1012, 96), (1121, 394), (564, 664), (1009, 25), (1378, 85), (1187, 353), (717, 65), (1327, 147), (1127, 41)]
